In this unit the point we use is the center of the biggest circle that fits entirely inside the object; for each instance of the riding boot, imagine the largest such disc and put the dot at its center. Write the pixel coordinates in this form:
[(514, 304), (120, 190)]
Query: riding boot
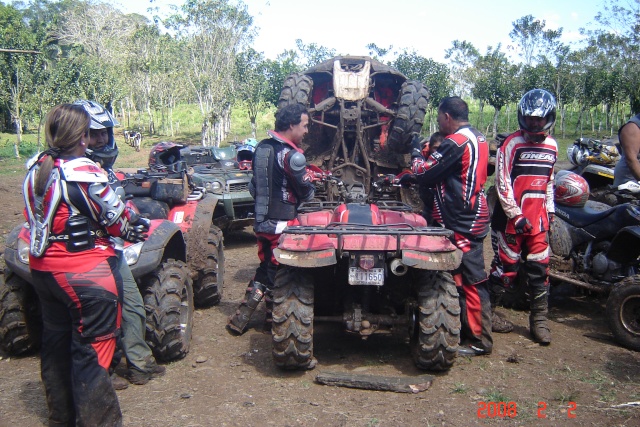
[(268, 321), (538, 318), (238, 322), (498, 324)]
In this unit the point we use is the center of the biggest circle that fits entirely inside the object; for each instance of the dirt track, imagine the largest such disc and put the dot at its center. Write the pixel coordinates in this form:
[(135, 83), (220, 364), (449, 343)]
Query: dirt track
[(234, 382)]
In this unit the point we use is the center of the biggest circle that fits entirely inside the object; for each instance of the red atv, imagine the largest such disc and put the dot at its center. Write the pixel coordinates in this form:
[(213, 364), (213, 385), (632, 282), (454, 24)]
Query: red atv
[(368, 262), (181, 262)]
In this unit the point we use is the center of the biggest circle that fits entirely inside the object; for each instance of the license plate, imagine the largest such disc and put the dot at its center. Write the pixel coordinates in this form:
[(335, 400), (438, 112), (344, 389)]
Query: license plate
[(358, 276)]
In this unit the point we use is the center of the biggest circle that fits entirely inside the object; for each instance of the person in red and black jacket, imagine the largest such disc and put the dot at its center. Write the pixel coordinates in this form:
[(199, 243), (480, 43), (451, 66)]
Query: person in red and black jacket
[(72, 213), (457, 172), (280, 183), (522, 218)]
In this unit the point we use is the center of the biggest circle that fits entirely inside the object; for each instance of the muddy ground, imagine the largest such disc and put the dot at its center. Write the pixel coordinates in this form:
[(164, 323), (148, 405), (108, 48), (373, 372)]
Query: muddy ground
[(231, 381)]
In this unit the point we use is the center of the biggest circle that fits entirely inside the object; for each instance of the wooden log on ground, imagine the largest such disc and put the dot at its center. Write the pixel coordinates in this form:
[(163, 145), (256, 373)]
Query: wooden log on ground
[(376, 382)]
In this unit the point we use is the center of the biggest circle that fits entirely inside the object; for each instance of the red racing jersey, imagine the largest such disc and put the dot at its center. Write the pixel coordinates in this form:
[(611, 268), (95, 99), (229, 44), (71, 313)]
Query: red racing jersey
[(457, 172), (524, 180)]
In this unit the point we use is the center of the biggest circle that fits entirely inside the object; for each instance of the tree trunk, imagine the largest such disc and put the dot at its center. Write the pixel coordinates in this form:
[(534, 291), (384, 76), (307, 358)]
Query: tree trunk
[(496, 114)]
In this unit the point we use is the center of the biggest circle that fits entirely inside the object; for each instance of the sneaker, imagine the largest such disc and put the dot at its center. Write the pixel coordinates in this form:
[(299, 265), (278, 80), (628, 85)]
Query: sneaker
[(118, 383), (500, 325), (471, 351), (138, 377)]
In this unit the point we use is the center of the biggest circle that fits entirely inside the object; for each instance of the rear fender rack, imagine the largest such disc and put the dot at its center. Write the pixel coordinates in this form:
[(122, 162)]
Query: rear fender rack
[(341, 229)]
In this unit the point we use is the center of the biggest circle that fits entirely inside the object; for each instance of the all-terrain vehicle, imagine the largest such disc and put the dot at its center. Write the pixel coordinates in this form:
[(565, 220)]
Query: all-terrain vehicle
[(181, 262), (225, 173), (368, 262), (363, 116)]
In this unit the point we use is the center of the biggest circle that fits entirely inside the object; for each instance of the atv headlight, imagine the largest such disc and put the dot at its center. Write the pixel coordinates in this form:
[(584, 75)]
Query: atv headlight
[(132, 253), (23, 251), (214, 187)]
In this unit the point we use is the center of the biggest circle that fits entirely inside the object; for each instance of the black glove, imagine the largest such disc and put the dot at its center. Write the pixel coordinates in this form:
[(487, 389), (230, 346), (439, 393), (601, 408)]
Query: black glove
[(137, 229), (522, 225), (416, 147), (135, 234), (407, 180)]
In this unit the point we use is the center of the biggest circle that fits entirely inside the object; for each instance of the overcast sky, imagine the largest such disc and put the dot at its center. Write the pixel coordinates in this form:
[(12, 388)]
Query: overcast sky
[(426, 26)]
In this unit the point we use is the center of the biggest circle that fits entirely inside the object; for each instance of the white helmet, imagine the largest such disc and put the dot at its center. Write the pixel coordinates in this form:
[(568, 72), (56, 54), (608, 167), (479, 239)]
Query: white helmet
[(101, 118)]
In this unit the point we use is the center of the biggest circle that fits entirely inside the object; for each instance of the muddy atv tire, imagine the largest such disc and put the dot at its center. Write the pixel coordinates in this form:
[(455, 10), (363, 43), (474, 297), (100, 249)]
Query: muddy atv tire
[(168, 301), (292, 329), (208, 287), (413, 102), (20, 317), (296, 90), (623, 312), (436, 337)]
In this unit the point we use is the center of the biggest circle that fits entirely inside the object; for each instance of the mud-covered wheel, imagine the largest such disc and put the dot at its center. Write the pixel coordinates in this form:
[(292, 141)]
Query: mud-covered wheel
[(295, 90), (292, 329), (20, 318), (208, 287), (623, 312), (436, 337), (413, 102), (168, 301)]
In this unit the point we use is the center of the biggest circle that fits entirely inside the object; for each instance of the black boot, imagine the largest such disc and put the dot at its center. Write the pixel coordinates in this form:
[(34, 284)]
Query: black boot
[(538, 318), (498, 324), (238, 322)]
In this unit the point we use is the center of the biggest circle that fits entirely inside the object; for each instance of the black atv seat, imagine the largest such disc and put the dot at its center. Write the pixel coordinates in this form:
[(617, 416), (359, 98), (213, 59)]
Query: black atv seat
[(591, 213)]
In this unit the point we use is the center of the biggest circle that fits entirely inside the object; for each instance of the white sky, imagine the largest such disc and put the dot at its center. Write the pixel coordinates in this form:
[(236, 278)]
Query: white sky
[(426, 26)]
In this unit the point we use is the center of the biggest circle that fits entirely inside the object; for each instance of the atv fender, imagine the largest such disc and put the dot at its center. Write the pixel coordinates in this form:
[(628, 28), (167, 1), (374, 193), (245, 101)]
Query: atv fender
[(625, 247), (166, 241), (11, 258), (309, 259), (438, 261), (198, 233)]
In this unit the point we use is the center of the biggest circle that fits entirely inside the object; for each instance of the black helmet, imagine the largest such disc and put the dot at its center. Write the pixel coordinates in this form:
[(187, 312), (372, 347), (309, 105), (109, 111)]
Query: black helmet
[(166, 157), (101, 118), (537, 103)]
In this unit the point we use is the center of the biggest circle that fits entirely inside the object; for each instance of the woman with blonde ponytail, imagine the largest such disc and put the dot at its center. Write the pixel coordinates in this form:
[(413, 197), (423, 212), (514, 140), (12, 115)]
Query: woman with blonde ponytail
[(72, 212)]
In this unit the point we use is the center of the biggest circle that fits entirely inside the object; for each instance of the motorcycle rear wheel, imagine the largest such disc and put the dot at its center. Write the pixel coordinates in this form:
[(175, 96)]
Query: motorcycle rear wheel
[(623, 312), (20, 317)]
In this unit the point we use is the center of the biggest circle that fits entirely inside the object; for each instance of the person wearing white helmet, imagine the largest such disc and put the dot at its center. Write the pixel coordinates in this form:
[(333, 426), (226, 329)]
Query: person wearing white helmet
[(141, 364), (103, 148), (525, 211)]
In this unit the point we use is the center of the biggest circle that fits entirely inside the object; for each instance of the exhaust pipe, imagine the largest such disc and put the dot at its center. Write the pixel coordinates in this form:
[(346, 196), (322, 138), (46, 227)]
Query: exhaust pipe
[(397, 267)]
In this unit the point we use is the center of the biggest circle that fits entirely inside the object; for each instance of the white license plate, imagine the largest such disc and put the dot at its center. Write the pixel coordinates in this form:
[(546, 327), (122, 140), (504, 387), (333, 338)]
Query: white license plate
[(358, 276)]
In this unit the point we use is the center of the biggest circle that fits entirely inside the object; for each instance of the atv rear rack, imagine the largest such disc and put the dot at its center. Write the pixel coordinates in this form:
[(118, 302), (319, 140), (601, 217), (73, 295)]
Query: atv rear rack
[(340, 229), (315, 206)]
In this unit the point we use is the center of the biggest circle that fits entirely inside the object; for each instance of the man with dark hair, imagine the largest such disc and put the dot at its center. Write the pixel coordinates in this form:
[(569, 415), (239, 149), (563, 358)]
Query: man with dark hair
[(280, 182), (457, 171)]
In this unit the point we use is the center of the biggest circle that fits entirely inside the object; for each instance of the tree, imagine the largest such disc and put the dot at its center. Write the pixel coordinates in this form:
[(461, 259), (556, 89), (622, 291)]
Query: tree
[(213, 31), (462, 56), (528, 33), (496, 83), (434, 75), (253, 88), (313, 54), (276, 71)]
